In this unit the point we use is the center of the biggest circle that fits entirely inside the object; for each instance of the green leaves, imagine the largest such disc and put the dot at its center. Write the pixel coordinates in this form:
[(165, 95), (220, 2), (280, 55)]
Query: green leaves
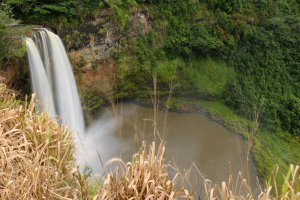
[(52, 12), (48, 9), (5, 16), (8, 45), (41, 11), (228, 6), (15, 2), (266, 63), (259, 38)]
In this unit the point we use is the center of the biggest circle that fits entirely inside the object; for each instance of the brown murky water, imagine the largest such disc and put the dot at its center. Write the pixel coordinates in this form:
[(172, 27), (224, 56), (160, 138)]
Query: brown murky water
[(190, 138)]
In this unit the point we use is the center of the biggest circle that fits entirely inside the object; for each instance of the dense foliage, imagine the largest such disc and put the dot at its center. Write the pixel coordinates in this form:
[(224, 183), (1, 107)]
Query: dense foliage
[(53, 12), (259, 39), (266, 58), (7, 33), (243, 53)]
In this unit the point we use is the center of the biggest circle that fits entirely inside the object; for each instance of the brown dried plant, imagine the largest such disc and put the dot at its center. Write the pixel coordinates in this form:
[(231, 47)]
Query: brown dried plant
[(37, 162), (145, 177), (36, 154), (240, 189)]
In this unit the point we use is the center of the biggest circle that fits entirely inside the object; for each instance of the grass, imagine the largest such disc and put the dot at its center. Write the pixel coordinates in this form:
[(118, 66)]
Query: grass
[(269, 148), (237, 189), (36, 162), (36, 156), (206, 76), (219, 109), (145, 177), (210, 76)]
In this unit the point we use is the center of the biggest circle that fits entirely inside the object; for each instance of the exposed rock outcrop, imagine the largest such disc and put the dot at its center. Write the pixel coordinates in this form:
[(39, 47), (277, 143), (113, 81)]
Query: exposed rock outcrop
[(92, 48)]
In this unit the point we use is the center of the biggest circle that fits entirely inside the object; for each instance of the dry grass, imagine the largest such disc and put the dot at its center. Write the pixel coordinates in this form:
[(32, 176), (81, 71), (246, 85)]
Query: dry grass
[(145, 178), (36, 154), (36, 162), (239, 189)]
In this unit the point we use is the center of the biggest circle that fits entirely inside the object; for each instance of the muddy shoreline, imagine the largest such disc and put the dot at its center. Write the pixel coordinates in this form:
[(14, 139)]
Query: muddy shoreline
[(187, 107)]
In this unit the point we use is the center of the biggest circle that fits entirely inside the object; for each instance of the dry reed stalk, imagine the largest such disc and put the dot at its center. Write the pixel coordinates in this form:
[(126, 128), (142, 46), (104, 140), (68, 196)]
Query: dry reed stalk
[(240, 189), (145, 178), (36, 162), (36, 154)]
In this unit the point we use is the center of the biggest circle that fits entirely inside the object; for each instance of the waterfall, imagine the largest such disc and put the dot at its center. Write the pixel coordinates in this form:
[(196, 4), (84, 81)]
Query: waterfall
[(53, 81), (40, 85)]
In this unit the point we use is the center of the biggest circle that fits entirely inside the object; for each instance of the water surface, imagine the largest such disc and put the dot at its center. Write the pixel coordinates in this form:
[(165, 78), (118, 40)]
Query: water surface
[(190, 138)]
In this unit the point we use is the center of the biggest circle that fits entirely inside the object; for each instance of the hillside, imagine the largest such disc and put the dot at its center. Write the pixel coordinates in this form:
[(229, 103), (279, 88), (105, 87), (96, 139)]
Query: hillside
[(239, 57)]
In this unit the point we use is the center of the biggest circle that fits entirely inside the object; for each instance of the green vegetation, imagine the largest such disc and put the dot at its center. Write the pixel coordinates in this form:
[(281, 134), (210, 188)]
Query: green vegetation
[(10, 36), (270, 148), (219, 109), (235, 54), (262, 48), (207, 77), (260, 40), (54, 13), (211, 77), (120, 7)]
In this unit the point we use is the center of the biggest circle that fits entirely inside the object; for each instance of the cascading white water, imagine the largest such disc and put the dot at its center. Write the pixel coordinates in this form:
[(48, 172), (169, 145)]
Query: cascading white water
[(53, 80), (39, 79)]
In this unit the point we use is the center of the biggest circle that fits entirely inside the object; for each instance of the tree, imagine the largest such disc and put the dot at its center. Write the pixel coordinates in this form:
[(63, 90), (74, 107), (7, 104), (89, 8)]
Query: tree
[(6, 21)]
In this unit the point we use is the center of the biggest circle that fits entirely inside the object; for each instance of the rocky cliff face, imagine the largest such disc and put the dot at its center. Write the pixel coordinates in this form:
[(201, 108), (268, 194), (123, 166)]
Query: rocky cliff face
[(100, 36), (15, 75), (93, 49)]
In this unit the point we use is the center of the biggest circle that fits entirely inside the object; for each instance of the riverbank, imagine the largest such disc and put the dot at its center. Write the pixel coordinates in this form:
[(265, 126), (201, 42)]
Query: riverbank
[(38, 165), (269, 148), (215, 110)]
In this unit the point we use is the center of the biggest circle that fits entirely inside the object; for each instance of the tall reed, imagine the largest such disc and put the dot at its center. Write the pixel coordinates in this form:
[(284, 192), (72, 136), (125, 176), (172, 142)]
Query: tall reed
[(37, 162), (145, 177), (36, 154)]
